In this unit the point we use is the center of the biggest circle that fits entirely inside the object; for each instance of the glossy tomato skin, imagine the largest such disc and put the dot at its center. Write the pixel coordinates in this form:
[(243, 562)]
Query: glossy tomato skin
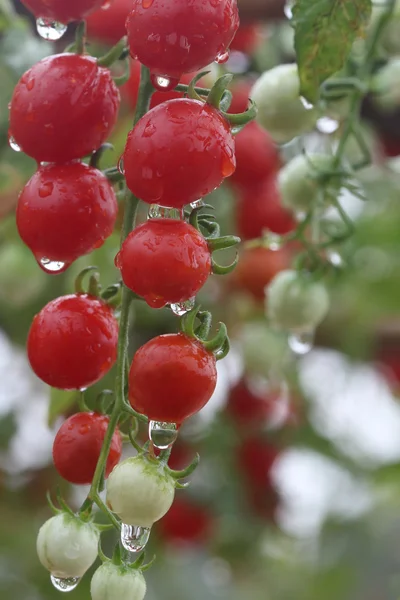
[(165, 261), (256, 155), (72, 342), (171, 378), (65, 211), (108, 25), (257, 267), (172, 38), (259, 207), (178, 152), (61, 10), (63, 108), (185, 523), (77, 447)]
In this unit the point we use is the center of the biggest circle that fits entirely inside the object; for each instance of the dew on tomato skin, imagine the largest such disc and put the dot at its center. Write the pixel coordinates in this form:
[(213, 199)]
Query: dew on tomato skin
[(106, 5), (302, 342), (64, 584), (164, 212), (197, 203), (155, 301), (228, 165), (222, 57), (52, 266), (181, 308), (162, 83), (149, 130), (46, 189), (13, 144), (162, 434), (134, 538), (147, 3), (50, 30)]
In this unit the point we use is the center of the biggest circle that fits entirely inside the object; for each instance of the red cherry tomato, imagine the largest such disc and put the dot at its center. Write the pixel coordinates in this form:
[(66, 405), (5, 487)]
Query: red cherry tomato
[(63, 108), (171, 378), (61, 10), (72, 342), (77, 447), (247, 38), (178, 152), (255, 459), (256, 155), (66, 211), (180, 37), (247, 408), (108, 25), (185, 523), (259, 207), (165, 261), (257, 267)]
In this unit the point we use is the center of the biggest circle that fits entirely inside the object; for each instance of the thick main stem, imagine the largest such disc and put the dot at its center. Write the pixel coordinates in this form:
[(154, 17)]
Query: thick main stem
[(131, 204)]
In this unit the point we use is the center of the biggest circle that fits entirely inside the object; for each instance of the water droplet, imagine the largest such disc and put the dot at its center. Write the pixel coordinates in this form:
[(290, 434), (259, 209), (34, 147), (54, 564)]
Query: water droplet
[(288, 9), (181, 308), (222, 57), (118, 260), (52, 266), (121, 166), (13, 144), (162, 83), (64, 585), (134, 538), (50, 30), (106, 5), (301, 342), (327, 125), (164, 212), (162, 434), (334, 258), (197, 203), (307, 105), (273, 241), (147, 3)]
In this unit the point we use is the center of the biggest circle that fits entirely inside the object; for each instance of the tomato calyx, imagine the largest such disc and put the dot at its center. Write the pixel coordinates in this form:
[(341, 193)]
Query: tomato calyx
[(218, 345), (94, 287), (98, 154)]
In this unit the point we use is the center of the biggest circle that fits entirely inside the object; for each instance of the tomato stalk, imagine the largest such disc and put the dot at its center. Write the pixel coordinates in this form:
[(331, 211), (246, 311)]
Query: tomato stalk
[(131, 204)]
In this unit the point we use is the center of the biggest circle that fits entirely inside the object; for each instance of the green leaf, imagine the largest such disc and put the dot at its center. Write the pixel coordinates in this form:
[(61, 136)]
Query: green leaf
[(324, 34), (60, 402)]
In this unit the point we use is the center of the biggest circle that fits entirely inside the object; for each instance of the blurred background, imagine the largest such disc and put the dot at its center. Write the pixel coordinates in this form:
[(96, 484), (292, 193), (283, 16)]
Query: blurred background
[(298, 491)]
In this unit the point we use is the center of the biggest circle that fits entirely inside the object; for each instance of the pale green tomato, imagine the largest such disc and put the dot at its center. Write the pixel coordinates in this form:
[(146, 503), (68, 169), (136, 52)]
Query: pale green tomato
[(66, 546), (140, 492), (112, 582), (387, 85), (281, 111), (294, 303), (298, 188)]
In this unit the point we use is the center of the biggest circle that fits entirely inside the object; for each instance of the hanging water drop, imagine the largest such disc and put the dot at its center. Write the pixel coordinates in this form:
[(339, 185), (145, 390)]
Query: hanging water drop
[(197, 203), (307, 105), (287, 9), (52, 266), (121, 166), (162, 83), (13, 144), (50, 30), (181, 308), (327, 125), (301, 342), (162, 434), (274, 241), (334, 258), (222, 57), (164, 212), (134, 538), (64, 585)]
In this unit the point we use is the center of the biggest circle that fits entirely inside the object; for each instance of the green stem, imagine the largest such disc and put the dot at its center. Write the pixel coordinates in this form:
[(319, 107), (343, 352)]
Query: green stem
[(131, 205)]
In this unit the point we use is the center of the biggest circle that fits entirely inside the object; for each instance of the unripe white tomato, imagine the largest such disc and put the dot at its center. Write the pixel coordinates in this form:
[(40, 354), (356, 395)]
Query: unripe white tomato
[(139, 491), (299, 190), (296, 304), (113, 582), (281, 111), (66, 546)]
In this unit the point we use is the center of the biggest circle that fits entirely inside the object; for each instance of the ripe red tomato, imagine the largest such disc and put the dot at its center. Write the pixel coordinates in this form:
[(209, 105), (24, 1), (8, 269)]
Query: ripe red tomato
[(256, 155), (176, 38), (62, 11), (171, 378), (248, 408), (178, 152), (257, 267), (72, 342), (165, 261), (66, 211), (109, 25), (255, 459), (259, 207), (247, 38), (185, 523), (77, 447), (63, 108)]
